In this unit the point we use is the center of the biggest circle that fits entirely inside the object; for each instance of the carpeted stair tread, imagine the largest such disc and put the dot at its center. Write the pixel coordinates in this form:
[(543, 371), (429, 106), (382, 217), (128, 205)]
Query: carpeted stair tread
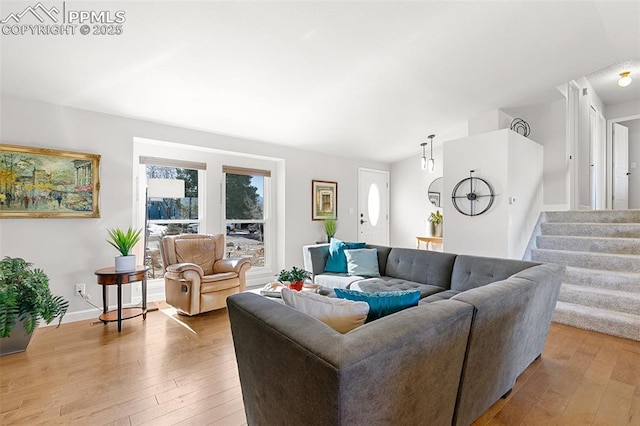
[(604, 321), (614, 280), (612, 230), (612, 300), (605, 216), (591, 244), (603, 261)]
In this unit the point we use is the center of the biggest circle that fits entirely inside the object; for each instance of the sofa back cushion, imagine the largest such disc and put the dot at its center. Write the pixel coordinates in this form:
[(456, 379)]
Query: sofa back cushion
[(475, 271), (421, 266)]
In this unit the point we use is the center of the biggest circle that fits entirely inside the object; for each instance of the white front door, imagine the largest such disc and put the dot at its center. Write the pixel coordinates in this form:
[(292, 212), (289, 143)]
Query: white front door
[(620, 167), (373, 206)]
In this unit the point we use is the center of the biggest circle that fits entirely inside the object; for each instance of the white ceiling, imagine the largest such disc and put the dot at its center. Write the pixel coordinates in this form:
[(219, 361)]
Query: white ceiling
[(358, 79)]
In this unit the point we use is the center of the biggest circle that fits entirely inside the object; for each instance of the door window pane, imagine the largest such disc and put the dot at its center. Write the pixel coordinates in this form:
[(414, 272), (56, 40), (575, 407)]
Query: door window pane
[(373, 204)]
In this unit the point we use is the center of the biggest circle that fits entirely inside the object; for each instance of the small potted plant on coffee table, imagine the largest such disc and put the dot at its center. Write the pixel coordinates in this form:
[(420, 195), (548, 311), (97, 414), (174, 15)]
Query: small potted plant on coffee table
[(294, 278)]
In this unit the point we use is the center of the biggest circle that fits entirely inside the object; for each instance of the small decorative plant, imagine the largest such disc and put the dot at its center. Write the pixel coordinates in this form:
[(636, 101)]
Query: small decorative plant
[(294, 277), (124, 241), (435, 217), (330, 226), (25, 294)]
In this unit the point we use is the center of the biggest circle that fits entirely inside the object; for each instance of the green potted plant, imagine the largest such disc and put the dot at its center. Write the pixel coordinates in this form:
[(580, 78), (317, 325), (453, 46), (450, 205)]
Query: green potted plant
[(294, 278), (124, 241), (25, 298), (436, 223), (330, 226)]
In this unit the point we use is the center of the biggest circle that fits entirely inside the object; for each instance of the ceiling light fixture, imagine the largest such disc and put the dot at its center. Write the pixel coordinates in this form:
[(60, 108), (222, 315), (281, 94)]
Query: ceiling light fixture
[(624, 79), (428, 164)]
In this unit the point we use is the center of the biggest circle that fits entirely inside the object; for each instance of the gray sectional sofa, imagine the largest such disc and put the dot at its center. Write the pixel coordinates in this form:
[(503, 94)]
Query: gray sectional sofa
[(480, 323)]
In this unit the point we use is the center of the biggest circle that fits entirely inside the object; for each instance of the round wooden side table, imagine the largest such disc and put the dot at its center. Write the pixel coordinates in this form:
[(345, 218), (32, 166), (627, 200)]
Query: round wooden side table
[(109, 276)]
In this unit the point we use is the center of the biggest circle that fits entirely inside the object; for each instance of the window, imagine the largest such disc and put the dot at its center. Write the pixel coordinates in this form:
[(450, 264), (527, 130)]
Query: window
[(172, 204), (246, 217)]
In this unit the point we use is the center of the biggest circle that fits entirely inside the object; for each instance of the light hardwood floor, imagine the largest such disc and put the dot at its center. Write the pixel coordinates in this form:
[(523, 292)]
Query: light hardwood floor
[(178, 370)]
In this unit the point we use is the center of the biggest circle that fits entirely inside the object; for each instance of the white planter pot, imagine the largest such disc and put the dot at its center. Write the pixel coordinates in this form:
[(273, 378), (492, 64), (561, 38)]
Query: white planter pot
[(125, 263)]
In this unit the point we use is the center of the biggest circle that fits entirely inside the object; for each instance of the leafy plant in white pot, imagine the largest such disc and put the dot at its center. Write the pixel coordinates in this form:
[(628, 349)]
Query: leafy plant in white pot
[(124, 241)]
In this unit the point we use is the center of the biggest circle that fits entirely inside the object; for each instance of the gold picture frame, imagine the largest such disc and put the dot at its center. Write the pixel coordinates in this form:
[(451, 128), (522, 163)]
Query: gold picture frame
[(47, 183), (324, 200)]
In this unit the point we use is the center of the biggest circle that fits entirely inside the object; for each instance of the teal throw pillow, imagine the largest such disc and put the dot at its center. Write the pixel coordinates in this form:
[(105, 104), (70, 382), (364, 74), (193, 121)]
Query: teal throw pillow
[(383, 303), (337, 261), (362, 262)]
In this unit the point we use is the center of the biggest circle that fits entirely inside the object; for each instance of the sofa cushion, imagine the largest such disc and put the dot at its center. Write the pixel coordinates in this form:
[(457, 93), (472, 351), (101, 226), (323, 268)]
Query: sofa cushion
[(443, 295), (362, 262), (382, 304), (475, 271), (374, 285), (340, 314), (331, 280), (421, 266), (337, 261)]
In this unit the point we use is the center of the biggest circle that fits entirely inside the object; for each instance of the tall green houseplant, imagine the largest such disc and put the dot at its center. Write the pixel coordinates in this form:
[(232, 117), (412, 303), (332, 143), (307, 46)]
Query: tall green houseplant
[(25, 295), (330, 227)]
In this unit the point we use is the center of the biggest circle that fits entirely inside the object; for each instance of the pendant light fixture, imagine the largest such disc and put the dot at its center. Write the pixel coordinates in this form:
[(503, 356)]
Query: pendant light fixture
[(431, 164), (624, 79), (428, 164)]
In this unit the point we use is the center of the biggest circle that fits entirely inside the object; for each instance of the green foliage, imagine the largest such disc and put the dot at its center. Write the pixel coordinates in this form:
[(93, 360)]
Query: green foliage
[(435, 217), (295, 274), (25, 294), (330, 226), (242, 198), (123, 241)]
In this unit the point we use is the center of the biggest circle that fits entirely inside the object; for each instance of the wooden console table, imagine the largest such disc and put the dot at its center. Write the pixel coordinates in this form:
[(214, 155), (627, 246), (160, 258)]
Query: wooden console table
[(109, 276), (429, 240)]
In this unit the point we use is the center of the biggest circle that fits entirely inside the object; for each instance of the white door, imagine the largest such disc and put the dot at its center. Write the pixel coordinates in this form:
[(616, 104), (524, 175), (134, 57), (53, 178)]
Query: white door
[(593, 160), (620, 167), (373, 206)]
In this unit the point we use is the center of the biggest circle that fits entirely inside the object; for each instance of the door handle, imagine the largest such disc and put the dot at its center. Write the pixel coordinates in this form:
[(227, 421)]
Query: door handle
[(362, 222), (628, 173)]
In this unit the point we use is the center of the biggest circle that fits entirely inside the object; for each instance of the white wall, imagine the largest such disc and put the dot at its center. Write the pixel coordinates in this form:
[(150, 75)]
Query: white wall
[(512, 164), (548, 128), (409, 203), (70, 250), (525, 187), (489, 121)]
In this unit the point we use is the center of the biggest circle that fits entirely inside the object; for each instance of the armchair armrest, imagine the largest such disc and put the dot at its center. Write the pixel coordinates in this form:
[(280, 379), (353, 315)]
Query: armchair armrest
[(231, 265), (180, 268)]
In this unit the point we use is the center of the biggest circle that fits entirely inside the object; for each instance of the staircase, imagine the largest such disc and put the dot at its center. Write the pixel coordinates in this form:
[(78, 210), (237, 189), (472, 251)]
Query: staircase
[(601, 250)]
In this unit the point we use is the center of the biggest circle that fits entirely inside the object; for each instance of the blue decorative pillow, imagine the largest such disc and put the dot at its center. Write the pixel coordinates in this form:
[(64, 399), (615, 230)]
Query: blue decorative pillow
[(337, 261), (362, 262), (383, 303)]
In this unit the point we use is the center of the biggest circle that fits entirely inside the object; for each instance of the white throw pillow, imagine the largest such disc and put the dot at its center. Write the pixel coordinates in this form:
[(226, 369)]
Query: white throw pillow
[(340, 314)]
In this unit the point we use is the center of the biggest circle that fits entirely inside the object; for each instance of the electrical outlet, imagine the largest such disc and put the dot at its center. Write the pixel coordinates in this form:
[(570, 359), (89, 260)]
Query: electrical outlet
[(81, 290)]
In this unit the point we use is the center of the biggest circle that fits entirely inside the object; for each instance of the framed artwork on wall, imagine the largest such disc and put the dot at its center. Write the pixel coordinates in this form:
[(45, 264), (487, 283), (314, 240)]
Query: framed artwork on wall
[(324, 200), (434, 197), (47, 183)]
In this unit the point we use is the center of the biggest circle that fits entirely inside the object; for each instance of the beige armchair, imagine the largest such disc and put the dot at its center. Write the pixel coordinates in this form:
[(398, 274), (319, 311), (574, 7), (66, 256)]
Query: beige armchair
[(198, 278)]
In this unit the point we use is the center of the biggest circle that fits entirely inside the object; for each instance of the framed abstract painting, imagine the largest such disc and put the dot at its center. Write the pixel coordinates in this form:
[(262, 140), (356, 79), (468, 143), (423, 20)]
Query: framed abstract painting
[(47, 183)]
